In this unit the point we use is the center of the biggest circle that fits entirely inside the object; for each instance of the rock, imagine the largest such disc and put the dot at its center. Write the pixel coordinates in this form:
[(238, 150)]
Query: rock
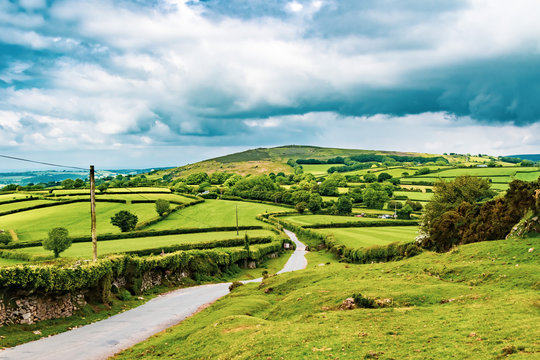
[(347, 304), (531, 250)]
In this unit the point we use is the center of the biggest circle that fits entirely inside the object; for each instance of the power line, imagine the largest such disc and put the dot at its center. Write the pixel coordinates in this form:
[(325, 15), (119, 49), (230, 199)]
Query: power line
[(43, 163)]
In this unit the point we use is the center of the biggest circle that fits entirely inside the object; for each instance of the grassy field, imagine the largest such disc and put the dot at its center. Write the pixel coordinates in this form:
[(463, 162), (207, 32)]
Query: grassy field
[(359, 210), (318, 169), (7, 197), (34, 224), (369, 236), (127, 196), (115, 190), (213, 213), (528, 176), (21, 205), (413, 195), (479, 302), (84, 250), (325, 219), (484, 172), (9, 262)]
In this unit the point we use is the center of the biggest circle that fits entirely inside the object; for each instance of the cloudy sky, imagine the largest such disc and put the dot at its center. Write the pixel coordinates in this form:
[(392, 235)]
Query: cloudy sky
[(136, 84)]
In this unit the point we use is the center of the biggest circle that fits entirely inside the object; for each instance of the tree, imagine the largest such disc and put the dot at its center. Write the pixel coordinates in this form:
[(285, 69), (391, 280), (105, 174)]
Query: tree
[(162, 206), (405, 212), (301, 207), (68, 184), (125, 220), (344, 205), (383, 177), (79, 183), (369, 178), (57, 241), (102, 187), (450, 194), (315, 203), (375, 196), (328, 187)]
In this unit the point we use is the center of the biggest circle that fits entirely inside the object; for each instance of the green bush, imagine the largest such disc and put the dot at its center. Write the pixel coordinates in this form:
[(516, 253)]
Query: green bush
[(5, 238), (58, 241), (124, 295), (234, 285), (125, 220), (363, 302)]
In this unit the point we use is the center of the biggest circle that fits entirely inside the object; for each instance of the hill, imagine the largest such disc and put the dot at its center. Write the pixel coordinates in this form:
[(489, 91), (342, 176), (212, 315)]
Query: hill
[(532, 157), (265, 160)]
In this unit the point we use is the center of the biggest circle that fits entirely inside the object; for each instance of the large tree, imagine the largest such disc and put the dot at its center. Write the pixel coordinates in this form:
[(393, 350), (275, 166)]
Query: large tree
[(57, 241), (125, 220)]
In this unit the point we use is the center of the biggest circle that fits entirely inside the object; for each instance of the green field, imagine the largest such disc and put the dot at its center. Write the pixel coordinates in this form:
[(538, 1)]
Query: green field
[(325, 219), (21, 205), (478, 302), (369, 236), (34, 224), (360, 210), (10, 262), (413, 195), (128, 196), (84, 250), (484, 172), (318, 169), (115, 190), (7, 197), (214, 213), (528, 176)]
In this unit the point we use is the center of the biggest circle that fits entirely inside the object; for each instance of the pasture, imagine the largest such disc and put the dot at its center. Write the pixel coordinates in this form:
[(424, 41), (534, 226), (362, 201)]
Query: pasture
[(318, 169), (414, 195), (369, 236), (21, 205), (34, 224), (214, 213), (303, 220), (482, 172), (464, 304), (12, 196), (84, 250)]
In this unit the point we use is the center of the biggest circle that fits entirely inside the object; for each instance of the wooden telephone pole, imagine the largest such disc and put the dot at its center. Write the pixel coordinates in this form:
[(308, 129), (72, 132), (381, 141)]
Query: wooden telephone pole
[(93, 211)]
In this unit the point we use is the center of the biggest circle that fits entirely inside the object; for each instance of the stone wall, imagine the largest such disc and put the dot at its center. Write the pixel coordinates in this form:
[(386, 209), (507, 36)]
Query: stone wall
[(29, 309), (34, 308)]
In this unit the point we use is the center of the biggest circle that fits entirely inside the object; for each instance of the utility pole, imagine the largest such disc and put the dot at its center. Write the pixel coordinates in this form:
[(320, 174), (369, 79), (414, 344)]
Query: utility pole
[(236, 219), (93, 211)]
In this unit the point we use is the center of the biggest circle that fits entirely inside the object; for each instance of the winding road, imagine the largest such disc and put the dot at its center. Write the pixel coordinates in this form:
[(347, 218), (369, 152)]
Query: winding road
[(105, 338)]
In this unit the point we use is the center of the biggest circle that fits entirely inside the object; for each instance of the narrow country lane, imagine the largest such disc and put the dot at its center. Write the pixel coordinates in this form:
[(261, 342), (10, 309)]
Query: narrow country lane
[(107, 337)]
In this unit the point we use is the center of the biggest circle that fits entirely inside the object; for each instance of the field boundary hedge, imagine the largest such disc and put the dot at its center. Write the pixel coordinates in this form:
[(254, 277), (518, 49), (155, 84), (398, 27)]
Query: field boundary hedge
[(136, 234), (349, 224), (98, 276), (19, 200)]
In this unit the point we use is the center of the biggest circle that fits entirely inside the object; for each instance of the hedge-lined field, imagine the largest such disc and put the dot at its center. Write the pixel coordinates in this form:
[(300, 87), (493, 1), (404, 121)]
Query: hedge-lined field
[(369, 236), (213, 213), (84, 250), (303, 220), (128, 196), (34, 224), (12, 196), (482, 172), (414, 195), (21, 205)]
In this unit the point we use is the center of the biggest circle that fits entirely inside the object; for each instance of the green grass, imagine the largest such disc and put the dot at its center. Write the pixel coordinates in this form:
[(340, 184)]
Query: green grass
[(22, 205), (84, 250), (6, 197), (361, 210), (318, 169), (325, 219), (369, 236), (486, 172), (128, 196), (122, 190), (34, 224), (468, 304), (413, 195), (214, 213), (9, 262), (528, 176)]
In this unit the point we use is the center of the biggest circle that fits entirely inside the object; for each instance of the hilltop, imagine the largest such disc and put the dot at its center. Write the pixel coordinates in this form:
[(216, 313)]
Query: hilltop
[(265, 160)]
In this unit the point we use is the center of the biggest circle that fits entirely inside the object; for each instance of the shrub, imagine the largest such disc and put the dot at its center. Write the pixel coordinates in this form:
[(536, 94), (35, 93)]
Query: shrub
[(5, 238), (162, 207), (124, 295), (363, 302), (57, 241), (234, 285), (301, 207)]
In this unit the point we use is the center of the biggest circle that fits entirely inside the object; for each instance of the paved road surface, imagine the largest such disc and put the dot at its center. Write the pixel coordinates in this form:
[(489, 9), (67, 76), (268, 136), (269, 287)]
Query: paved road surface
[(107, 337)]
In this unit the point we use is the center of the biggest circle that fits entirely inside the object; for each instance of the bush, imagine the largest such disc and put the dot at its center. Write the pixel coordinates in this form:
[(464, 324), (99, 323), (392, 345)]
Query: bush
[(125, 220), (5, 238), (234, 285), (58, 241), (301, 207), (162, 207), (363, 302), (124, 295)]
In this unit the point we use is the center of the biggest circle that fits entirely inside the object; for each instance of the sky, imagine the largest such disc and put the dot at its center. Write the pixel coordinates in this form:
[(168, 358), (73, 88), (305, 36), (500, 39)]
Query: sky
[(144, 84)]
